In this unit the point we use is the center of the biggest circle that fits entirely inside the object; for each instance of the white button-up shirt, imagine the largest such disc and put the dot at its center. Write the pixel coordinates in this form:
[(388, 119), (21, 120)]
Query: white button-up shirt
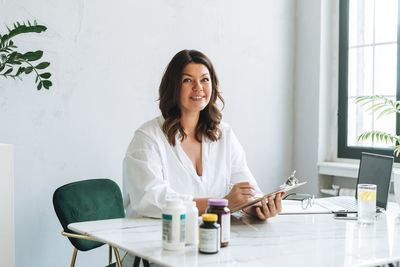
[(153, 170)]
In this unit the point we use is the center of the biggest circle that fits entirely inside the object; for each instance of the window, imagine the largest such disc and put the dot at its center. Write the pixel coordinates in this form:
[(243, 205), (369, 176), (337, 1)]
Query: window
[(368, 61)]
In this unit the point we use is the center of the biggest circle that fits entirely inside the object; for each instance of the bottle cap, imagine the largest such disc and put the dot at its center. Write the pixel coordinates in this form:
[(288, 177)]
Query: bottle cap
[(218, 202), (173, 202), (210, 217), (189, 204)]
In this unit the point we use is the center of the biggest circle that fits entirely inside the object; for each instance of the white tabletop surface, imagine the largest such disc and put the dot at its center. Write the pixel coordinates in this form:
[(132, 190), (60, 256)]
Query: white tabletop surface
[(285, 240)]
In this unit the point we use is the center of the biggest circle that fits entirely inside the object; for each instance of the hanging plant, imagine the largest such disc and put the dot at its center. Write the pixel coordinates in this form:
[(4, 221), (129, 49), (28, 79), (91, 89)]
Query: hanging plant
[(13, 64)]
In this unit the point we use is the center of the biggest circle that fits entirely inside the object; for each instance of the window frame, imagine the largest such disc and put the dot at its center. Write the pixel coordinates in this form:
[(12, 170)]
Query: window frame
[(354, 152)]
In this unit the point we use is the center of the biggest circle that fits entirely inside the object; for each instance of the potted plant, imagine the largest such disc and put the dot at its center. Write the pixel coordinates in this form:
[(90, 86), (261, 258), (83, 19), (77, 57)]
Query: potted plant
[(383, 106), (13, 64)]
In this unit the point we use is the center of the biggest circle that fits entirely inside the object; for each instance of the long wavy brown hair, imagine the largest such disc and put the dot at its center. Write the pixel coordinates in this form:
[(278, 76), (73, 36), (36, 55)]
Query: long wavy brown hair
[(170, 89)]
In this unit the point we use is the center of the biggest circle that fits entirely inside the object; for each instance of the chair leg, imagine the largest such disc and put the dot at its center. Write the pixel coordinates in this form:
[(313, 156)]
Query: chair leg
[(109, 255), (146, 263), (117, 257), (137, 261), (74, 257)]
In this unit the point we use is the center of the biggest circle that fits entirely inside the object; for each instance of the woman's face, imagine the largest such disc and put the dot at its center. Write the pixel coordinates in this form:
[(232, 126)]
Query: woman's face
[(196, 88)]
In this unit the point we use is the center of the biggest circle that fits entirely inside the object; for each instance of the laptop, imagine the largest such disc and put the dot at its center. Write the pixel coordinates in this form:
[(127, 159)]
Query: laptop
[(374, 169)]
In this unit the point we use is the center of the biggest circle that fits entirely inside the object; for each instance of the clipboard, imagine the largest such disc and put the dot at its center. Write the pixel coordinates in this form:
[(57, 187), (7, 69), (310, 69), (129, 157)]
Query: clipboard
[(285, 189)]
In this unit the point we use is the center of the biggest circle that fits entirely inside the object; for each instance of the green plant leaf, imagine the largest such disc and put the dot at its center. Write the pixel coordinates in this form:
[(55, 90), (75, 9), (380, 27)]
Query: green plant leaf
[(20, 70), (365, 101), (28, 70), (12, 56), (361, 137), (14, 62), (396, 150), (39, 86), (375, 107), (21, 29), (378, 136), (381, 136), (386, 112), (33, 56), (8, 71), (42, 65), (47, 84), (45, 75)]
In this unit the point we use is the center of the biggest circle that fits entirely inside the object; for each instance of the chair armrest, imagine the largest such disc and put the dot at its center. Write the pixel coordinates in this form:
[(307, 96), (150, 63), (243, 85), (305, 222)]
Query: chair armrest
[(78, 236)]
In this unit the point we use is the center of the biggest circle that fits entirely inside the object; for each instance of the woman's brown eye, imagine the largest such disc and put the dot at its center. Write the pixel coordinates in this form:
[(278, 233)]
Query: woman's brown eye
[(186, 80)]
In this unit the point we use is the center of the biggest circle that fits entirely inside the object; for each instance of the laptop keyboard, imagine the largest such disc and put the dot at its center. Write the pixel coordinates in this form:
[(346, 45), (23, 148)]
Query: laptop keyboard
[(339, 203), (350, 204)]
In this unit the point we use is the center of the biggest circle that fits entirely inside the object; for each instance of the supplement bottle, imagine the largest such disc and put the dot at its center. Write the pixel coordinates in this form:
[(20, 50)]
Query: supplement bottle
[(209, 234), (219, 206), (192, 224), (173, 225)]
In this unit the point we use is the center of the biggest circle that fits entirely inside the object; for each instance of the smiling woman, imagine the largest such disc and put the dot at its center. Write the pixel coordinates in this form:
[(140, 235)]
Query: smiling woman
[(188, 153)]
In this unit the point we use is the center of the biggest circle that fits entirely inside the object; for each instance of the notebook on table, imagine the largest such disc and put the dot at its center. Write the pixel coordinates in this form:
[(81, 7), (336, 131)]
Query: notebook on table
[(374, 169)]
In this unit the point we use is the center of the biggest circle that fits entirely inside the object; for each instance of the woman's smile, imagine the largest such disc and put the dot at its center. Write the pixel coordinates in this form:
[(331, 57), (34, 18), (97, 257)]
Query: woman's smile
[(197, 98)]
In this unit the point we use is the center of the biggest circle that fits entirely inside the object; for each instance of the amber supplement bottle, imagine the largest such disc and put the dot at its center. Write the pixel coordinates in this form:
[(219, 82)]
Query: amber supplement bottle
[(219, 206), (209, 233)]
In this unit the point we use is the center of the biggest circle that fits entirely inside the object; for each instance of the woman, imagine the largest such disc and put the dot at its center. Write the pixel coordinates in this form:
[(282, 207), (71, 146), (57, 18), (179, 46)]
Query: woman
[(188, 153)]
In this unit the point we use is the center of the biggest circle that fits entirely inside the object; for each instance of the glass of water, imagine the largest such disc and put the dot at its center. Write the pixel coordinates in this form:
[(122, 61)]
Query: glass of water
[(366, 194)]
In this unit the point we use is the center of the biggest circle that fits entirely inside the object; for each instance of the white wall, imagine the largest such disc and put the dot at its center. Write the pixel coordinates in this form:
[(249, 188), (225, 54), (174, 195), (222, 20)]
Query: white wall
[(329, 68), (306, 92), (107, 60), (315, 88)]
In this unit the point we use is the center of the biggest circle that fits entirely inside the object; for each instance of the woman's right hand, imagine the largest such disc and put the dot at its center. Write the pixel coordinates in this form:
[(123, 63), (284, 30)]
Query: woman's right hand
[(240, 193)]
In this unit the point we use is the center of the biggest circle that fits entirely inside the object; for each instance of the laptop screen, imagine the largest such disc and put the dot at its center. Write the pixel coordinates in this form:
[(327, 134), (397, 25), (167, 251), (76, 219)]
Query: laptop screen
[(376, 169)]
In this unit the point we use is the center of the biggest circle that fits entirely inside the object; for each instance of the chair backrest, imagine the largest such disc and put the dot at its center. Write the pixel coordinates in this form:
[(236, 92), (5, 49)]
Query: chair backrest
[(88, 200)]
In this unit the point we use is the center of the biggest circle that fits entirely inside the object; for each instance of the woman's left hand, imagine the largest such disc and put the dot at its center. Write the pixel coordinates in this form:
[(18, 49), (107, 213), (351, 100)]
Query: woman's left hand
[(263, 210)]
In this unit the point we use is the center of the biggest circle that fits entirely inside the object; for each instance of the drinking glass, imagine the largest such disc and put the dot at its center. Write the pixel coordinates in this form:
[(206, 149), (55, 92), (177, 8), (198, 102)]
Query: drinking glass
[(366, 195)]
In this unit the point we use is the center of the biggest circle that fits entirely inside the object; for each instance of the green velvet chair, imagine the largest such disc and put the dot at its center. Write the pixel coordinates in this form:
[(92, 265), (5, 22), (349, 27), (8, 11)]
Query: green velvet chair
[(88, 200)]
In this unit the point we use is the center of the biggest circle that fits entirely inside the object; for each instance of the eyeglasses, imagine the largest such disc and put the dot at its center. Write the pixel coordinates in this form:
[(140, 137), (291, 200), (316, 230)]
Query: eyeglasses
[(307, 200)]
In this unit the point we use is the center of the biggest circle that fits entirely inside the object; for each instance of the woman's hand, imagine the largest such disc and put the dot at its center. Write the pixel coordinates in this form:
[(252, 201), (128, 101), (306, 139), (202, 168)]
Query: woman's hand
[(263, 210), (240, 193)]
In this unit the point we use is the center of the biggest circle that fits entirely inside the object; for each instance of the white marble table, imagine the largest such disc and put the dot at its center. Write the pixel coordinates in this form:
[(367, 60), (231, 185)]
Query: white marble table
[(286, 240)]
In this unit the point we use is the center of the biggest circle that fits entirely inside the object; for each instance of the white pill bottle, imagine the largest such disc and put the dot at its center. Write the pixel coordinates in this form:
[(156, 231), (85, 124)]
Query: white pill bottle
[(192, 223), (173, 225)]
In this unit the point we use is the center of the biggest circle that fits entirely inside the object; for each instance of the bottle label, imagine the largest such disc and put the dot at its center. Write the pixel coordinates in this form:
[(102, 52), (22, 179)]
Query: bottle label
[(183, 227), (225, 227), (171, 228), (167, 227), (209, 240)]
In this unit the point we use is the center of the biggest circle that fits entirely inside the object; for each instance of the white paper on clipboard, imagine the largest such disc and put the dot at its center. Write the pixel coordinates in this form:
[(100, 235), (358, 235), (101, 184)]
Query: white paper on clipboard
[(285, 189)]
